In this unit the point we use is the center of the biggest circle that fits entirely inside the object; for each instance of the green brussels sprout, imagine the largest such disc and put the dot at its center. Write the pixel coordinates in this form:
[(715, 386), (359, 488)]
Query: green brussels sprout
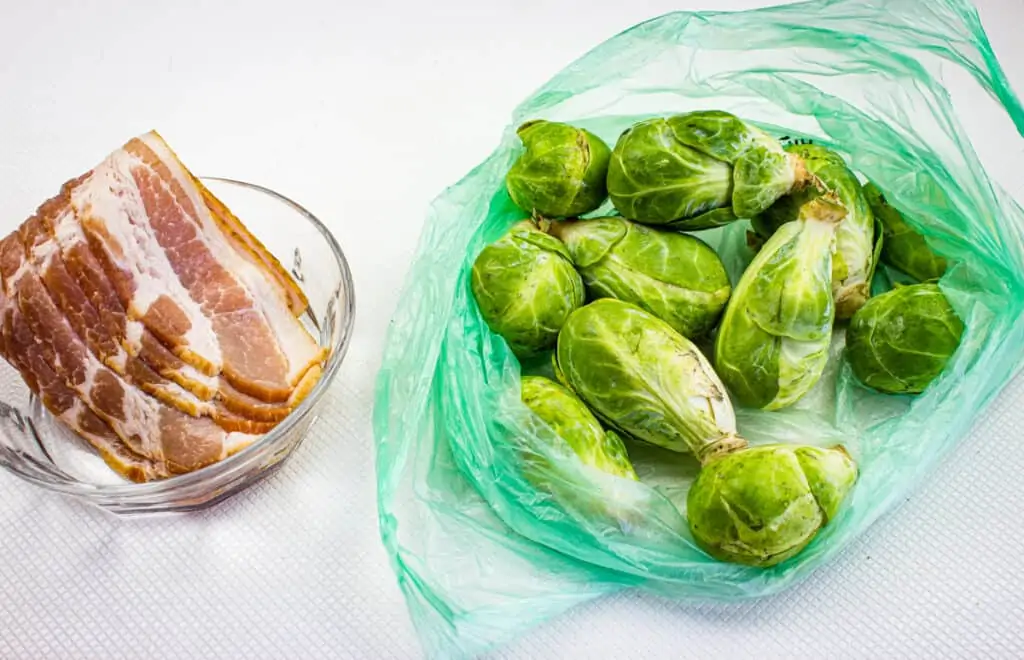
[(698, 170), (561, 173), (572, 421), (904, 249), (857, 242), (901, 340), (644, 379), (755, 505), (763, 505), (773, 342), (676, 277), (526, 286)]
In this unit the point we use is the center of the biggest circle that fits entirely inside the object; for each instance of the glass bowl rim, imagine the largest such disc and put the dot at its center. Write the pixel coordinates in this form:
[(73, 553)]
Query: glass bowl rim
[(211, 475)]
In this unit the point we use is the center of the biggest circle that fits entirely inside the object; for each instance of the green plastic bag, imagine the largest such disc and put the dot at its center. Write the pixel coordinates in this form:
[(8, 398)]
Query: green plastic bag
[(479, 554)]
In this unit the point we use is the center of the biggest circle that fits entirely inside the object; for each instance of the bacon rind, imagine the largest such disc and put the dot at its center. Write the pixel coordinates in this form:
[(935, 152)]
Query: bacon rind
[(250, 407), (249, 246)]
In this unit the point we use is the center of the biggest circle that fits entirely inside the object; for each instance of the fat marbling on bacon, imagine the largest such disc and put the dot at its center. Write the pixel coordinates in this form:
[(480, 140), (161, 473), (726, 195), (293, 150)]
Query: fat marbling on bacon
[(149, 320)]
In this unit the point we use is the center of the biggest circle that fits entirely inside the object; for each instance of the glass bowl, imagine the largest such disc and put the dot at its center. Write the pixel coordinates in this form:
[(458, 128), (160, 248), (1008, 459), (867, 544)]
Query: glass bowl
[(40, 449)]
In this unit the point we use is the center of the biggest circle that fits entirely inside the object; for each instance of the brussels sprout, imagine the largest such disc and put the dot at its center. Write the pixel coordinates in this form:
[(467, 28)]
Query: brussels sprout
[(645, 379), (901, 340), (699, 170), (763, 505), (904, 249), (857, 242), (572, 421), (755, 505), (562, 171), (526, 286), (773, 342), (677, 278)]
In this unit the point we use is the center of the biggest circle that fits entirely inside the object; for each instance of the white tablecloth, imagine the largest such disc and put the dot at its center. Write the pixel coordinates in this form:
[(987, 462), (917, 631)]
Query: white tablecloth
[(363, 114)]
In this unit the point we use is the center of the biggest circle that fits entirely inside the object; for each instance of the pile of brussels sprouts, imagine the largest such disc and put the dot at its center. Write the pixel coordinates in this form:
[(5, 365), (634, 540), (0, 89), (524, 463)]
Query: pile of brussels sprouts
[(621, 302)]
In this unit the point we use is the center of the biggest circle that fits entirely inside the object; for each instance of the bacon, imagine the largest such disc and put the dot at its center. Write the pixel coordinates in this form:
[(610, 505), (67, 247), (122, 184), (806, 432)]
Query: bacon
[(86, 271), (126, 346), (68, 408), (174, 440), (251, 248), (149, 320), (19, 347), (176, 270)]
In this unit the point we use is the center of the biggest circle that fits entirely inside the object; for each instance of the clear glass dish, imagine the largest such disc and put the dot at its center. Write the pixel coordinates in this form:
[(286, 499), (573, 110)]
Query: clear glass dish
[(40, 449)]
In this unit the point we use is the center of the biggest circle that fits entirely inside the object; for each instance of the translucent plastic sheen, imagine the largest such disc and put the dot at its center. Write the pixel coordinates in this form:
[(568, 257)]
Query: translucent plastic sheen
[(479, 553)]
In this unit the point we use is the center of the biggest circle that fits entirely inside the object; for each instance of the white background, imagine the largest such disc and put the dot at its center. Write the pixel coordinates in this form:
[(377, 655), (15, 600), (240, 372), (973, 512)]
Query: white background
[(363, 113)]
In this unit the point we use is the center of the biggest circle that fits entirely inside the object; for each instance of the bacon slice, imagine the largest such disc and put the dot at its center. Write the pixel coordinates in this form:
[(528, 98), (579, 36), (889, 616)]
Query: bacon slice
[(175, 269), (123, 345), (65, 406), (84, 268), (250, 247), (177, 441), (110, 212), (18, 346), (149, 320)]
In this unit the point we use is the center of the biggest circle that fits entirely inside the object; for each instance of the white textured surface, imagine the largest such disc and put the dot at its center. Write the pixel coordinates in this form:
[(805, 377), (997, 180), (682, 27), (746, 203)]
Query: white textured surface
[(363, 114)]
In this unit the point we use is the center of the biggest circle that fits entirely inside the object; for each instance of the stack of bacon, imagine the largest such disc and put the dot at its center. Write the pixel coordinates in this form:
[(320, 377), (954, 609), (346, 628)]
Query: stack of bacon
[(148, 320)]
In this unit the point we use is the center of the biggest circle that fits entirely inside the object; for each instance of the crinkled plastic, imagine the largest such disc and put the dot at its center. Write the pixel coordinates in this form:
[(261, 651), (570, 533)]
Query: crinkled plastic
[(480, 554)]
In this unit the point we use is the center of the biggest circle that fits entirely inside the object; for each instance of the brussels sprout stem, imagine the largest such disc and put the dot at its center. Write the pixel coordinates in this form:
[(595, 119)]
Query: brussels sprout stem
[(563, 228), (842, 450), (541, 222), (852, 298), (527, 125), (720, 448), (754, 242), (827, 209), (802, 177)]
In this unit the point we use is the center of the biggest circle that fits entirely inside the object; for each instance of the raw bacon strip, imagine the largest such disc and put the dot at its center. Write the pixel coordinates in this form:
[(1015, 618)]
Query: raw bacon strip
[(24, 354), (150, 428), (65, 406), (120, 459), (139, 341), (83, 319), (174, 269), (250, 247), (180, 442), (266, 349), (252, 360), (148, 363), (80, 313), (149, 320), (110, 211), (83, 267)]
